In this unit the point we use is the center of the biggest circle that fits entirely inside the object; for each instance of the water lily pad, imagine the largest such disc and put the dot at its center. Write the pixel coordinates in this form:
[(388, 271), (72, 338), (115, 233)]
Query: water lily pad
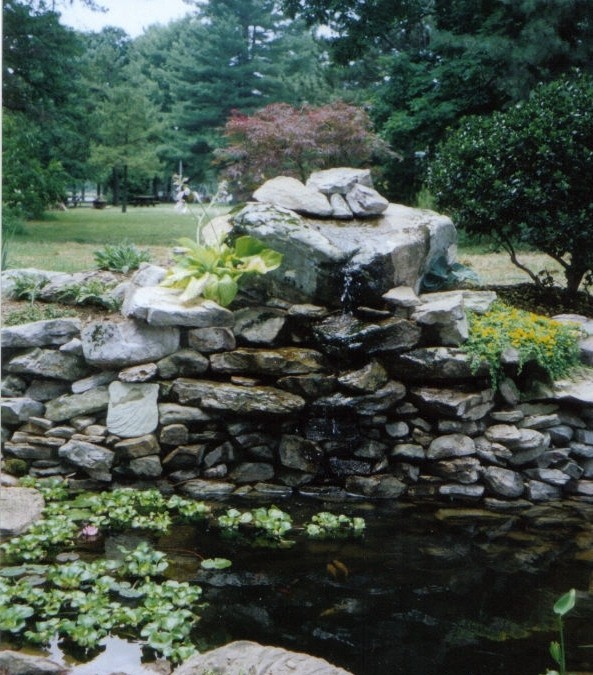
[(68, 556)]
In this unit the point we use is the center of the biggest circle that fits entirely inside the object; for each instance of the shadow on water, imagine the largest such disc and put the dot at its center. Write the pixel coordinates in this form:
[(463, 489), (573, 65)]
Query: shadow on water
[(425, 591)]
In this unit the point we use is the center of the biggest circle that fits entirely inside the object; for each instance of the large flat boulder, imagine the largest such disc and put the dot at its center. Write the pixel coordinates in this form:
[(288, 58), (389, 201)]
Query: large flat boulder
[(19, 509)]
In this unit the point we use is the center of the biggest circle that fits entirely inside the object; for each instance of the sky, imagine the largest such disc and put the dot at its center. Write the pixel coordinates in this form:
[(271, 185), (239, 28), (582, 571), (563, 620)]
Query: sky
[(131, 15)]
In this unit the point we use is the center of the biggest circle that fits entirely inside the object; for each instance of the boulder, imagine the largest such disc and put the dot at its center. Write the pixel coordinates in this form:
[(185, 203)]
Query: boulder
[(19, 409), (20, 508), (111, 344), (259, 325), (40, 333), (276, 362), (299, 453), (48, 363), (435, 364), (238, 658), (462, 403), (365, 202), (211, 339), (160, 306), (185, 362), (339, 180), (94, 460), (67, 406), (18, 663), (503, 482), (331, 262), (452, 445)]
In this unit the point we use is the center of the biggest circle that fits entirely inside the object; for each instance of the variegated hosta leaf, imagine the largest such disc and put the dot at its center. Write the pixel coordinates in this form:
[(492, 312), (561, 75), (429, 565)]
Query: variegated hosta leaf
[(195, 288)]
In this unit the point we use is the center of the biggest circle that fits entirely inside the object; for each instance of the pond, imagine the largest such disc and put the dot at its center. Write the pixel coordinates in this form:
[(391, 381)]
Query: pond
[(426, 590)]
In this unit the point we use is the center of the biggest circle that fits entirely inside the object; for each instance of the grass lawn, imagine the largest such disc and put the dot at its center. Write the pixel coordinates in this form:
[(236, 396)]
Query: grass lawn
[(65, 241)]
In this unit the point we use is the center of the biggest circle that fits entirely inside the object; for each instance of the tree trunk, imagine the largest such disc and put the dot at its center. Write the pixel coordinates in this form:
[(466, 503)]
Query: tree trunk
[(124, 200), (115, 181)]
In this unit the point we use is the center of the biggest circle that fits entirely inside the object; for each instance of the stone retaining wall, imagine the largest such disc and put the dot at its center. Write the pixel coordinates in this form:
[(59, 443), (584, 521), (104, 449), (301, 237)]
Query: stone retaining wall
[(281, 399)]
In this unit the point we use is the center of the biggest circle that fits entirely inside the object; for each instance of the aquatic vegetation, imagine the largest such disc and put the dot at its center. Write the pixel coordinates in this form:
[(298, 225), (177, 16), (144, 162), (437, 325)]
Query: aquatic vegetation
[(562, 606), (324, 525), (271, 522)]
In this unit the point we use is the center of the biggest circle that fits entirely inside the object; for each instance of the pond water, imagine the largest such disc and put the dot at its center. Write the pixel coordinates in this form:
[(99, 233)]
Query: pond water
[(426, 590)]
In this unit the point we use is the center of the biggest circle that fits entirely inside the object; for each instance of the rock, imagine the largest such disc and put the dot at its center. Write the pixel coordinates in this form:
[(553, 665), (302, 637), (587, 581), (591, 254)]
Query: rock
[(174, 434), (142, 373), (132, 409), (343, 335), (465, 470), (67, 406), (447, 314), (461, 403), (12, 386), (110, 344), (93, 381), (326, 260), (371, 449), (290, 193), (340, 208), (94, 460), (561, 434), (339, 180), (242, 657), (309, 386), (550, 476), (538, 491), (584, 436), (435, 364), (452, 445), (146, 467), (381, 400), (473, 301), (17, 663), (48, 363), (408, 451), (134, 448), (184, 363), (365, 202), (160, 306), (299, 453), (252, 472), (463, 492), (45, 390), (280, 361), (366, 380), (205, 489), (20, 508), (376, 487), (173, 413), (40, 333), (503, 482), (223, 397), (148, 275), (211, 339), (19, 409), (397, 429), (259, 325)]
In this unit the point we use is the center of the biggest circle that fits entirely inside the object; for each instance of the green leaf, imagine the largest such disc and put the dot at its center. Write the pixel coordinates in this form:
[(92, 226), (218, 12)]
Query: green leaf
[(215, 564), (565, 603), (556, 652), (247, 246), (223, 291), (194, 288)]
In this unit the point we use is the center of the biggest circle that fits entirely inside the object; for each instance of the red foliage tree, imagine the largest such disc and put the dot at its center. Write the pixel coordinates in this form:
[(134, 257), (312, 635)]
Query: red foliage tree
[(282, 140)]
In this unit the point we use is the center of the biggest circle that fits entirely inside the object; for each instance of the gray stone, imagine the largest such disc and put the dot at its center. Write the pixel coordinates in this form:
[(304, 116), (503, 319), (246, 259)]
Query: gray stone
[(54, 291), (146, 467), (382, 400), (94, 460), (185, 457), (174, 434), (509, 391), (173, 413), (551, 476), (460, 403), (204, 489), (17, 663), (93, 381), (309, 386), (40, 333), (578, 388), (20, 508), (299, 453), (376, 487), (469, 428), (242, 657), (401, 296), (222, 397), (223, 453), (368, 379), (394, 249), (74, 405), (142, 373), (134, 448), (447, 314), (121, 344), (45, 390), (452, 445), (40, 277), (464, 492), (290, 193), (584, 436), (540, 421), (397, 429), (507, 417), (410, 451), (435, 364), (538, 491), (371, 449), (561, 434), (218, 471), (185, 363), (213, 339), (148, 275), (465, 470), (340, 208), (163, 307), (280, 361), (48, 363), (259, 325), (473, 301), (29, 451), (586, 347), (581, 450), (503, 482), (252, 472), (19, 409), (343, 335), (581, 488), (365, 201), (132, 409), (12, 386), (339, 180)]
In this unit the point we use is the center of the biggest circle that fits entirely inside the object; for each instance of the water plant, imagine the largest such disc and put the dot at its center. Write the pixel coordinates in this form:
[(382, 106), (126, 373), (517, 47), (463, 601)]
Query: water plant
[(324, 525), (562, 606), (553, 345), (270, 522), (121, 257), (214, 267)]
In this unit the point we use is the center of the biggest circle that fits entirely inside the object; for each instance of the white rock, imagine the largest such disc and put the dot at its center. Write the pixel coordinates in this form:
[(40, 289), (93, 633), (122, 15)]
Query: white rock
[(339, 180), (290, 193), (132, 409), (365, 201)]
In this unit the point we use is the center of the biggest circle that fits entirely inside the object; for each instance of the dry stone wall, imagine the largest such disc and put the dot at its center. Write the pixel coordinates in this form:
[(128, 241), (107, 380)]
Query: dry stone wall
[(280, 399)]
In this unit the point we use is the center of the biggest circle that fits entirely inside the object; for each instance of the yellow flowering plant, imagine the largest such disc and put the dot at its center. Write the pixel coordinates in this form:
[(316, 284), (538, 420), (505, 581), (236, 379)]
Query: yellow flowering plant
[(553, 345)]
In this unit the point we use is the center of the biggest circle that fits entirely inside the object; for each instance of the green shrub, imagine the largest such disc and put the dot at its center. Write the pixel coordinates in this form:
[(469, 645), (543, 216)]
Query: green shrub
[(34, 312), (551, 344), (121, 257)]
